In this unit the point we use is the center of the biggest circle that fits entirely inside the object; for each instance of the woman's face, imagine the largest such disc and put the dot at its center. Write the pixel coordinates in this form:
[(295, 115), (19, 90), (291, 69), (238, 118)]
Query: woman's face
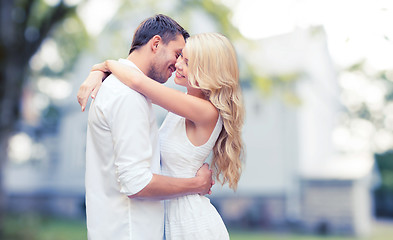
[(181, 76)]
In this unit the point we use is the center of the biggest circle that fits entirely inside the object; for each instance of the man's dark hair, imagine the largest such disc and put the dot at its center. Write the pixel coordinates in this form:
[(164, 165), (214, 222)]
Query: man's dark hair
[(164, 26)]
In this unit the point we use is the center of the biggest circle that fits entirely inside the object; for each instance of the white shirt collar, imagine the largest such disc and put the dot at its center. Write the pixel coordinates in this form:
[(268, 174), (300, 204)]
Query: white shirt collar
[(129, 63)]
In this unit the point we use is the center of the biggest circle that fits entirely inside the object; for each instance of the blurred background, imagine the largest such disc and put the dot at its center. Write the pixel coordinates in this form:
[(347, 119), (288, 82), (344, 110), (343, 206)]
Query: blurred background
[(317, 81)]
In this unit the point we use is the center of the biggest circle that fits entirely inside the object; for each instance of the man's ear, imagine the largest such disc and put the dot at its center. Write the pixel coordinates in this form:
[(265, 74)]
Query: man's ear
[(155, 42)]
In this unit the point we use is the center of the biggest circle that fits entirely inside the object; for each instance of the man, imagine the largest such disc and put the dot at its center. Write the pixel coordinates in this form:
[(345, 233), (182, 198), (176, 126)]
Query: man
[(122, 152)]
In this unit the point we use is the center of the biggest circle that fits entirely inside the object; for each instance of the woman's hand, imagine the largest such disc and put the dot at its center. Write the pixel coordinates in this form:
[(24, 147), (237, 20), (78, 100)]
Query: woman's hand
[(90, 86), (103, 67)]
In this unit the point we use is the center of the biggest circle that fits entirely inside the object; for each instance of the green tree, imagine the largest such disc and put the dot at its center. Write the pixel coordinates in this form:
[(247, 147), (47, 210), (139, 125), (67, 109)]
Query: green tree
[(25, 24), (371, 119)]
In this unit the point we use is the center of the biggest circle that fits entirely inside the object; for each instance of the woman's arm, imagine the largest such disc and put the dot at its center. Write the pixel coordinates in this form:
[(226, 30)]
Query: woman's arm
[(193, 108)]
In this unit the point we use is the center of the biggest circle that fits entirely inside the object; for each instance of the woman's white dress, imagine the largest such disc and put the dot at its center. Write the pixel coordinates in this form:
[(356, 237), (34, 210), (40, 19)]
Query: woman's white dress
[(192, 216)]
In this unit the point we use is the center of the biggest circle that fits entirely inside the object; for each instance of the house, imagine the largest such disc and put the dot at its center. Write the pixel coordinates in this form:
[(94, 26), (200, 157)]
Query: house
[(294, 176)]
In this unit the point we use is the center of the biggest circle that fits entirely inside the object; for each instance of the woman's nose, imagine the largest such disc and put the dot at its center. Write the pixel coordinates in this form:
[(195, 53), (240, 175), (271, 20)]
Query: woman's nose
[(177, 65)]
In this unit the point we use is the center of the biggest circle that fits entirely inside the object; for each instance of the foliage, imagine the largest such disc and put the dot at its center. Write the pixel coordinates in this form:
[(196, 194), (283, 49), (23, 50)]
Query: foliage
[(384, 193), (370, 99), (385, 167), (284, 84), (368, 116), (222, 15), (25, 25), (30, 23)]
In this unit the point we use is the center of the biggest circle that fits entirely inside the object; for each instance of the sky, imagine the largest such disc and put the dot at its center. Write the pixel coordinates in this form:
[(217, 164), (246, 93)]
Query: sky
[(355, 29)]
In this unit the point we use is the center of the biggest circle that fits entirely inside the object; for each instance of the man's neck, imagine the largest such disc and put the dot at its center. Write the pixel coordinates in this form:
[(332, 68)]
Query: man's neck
[(140, 60)]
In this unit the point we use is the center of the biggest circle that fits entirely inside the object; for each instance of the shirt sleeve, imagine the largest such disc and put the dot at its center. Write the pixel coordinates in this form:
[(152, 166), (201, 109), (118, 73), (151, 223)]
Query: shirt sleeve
[(129, 123)]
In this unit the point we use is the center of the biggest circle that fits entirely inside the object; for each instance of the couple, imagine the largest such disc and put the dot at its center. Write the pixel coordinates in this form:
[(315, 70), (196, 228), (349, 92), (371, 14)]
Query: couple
[(129, 168)]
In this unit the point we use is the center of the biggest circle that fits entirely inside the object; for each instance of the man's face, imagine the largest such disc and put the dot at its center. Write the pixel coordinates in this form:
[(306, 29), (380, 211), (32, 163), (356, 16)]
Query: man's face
[(164, 63)]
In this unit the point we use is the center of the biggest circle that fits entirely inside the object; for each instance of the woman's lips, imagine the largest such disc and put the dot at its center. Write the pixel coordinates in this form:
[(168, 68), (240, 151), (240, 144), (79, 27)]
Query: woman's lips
[(179, 75)]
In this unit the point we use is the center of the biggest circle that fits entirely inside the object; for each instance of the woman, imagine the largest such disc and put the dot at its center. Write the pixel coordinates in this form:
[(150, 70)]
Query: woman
[(209, 117)]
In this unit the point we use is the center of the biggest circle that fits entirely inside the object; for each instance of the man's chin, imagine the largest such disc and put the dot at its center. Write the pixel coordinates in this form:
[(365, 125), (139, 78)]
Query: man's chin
[(156, 78), (162, 80)]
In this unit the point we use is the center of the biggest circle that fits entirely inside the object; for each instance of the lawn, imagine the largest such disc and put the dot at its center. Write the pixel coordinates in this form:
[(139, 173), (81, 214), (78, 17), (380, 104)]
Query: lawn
[(272, 236), (382, 230), (36, 227)]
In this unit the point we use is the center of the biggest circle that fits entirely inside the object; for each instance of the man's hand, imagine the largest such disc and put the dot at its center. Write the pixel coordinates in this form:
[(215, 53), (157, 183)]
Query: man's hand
[(204, 174), (90, 86)]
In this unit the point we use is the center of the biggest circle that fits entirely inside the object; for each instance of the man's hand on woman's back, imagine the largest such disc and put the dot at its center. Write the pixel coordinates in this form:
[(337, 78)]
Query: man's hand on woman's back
[(204, 174)]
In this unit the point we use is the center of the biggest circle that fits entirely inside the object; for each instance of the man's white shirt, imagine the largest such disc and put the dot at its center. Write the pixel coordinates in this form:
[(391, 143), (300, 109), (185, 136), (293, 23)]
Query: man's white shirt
[(122, 152)]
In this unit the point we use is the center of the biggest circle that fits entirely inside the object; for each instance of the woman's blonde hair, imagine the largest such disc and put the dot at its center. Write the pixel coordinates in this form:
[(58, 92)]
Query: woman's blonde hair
[(212, 67)]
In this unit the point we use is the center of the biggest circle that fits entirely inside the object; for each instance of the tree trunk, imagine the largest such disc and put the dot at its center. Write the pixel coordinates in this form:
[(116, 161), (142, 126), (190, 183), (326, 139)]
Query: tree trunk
[(11, 78), (15, 53)]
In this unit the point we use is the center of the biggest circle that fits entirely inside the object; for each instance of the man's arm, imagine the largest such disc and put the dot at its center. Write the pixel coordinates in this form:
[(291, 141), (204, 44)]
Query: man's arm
[(163, 187)]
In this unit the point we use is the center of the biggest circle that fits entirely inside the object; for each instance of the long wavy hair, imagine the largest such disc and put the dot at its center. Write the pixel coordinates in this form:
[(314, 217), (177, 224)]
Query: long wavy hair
[(212, 67)]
